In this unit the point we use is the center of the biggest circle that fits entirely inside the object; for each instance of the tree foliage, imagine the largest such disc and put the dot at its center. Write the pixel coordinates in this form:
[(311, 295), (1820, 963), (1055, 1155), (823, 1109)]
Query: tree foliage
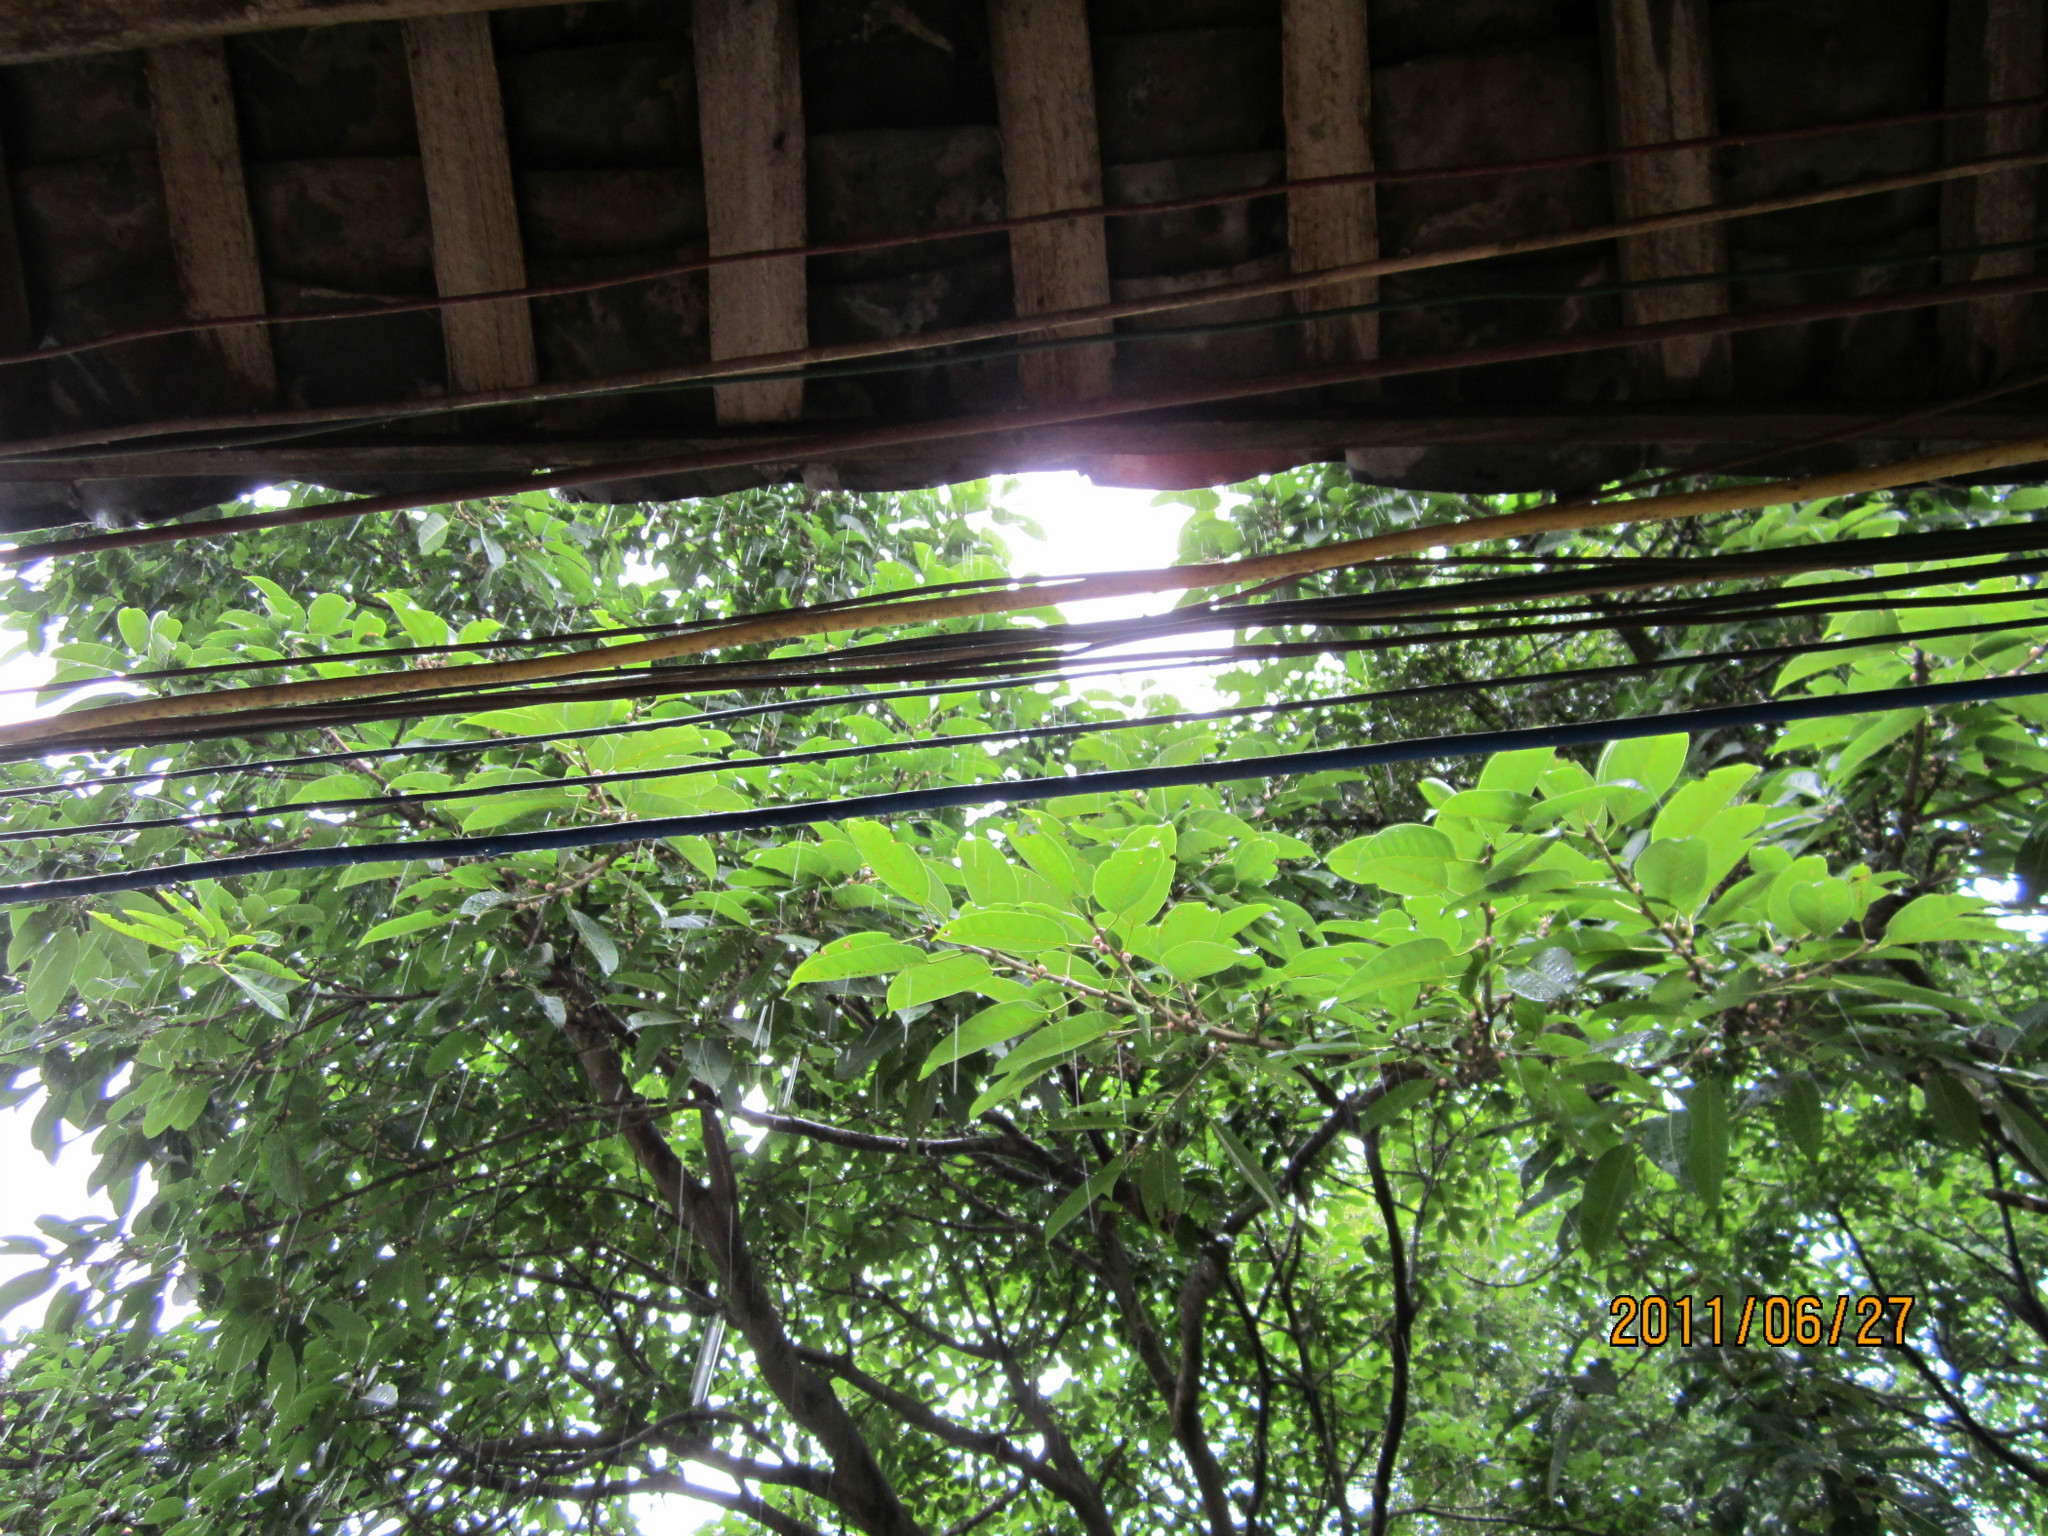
[(1191, 1160)]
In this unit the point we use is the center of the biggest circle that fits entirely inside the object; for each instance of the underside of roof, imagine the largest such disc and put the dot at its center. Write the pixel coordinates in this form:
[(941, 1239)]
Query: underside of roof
[(167, 163)]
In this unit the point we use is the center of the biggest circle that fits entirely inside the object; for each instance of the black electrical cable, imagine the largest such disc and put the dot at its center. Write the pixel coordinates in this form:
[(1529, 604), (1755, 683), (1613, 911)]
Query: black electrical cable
[(1386, 606), (1568, 676), (1903, 547), (462, 647), (956, 796), (654, 682)]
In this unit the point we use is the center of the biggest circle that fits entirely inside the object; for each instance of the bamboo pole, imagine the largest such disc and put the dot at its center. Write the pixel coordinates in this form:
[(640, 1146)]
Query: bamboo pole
[(77, 728)]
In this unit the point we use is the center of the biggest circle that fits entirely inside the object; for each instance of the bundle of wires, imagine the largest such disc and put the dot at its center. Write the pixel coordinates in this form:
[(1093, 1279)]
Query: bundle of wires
[(1518, 597)]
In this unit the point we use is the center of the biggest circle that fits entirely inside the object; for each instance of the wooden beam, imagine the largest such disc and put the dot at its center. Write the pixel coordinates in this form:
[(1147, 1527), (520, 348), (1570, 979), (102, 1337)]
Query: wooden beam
[(32, 30), (1326, 95), (750, 113), (468, 167), (1995, 53), (21, 390), (213, 239), (1045, 102), (1660, 87), (1310, 438)]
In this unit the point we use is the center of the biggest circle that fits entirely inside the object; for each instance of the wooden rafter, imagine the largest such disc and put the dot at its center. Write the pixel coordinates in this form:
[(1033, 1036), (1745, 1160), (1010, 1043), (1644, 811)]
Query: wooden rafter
[(17, 322), (1995, 53), (31, 30), (1660, 87), (750, 107), (1045, 100), (207, 199), (1303, 437), (468, 167), (1326, 94)]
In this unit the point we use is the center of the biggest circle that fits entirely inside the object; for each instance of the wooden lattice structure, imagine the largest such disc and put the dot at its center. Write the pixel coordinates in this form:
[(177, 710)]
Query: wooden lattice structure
[(178, 160)]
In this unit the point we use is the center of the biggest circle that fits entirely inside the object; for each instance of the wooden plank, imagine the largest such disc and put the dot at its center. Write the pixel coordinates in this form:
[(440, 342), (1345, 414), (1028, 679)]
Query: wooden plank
[(1045, 103), (31, 30), (1326, 95), (21, 388), (1995, 53), (750, 113), (213, 239), (468, 167), (1326, 435), (1660, 87)]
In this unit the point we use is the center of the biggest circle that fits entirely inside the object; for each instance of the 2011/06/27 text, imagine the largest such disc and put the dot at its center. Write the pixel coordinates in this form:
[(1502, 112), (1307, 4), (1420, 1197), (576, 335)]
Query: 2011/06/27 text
[(1648, 1322)]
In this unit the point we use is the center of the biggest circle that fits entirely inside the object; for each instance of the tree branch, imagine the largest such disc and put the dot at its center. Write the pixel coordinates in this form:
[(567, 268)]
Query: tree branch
[(1202, 1283), (1404, 1325), (859, 1487)]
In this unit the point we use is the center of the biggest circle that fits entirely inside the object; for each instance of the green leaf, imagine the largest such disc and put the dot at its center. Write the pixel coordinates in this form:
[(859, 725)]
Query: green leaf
[(1932, 919), (1051, 859), (899, 867), (1873, 739), (455, 1046), (942, 975), (1197, 958), (2027, 1131), (281, 604), (177, 1108), (336, 786), (398, 927), (989, 1027), (1652, 763), (49, 977), (1159, 1184), (858, 954), (1009, 929), (1693, 805), (1027, 1061), (1392, 1104), (266, 992), (26, 1288), (1952, 1107), (1099, 1183), (698, 851), (134, 627), (1402, 847), (1516, 772), (2030, 866), (1549, 975), (1821, 906), (1674, 872), (1062, 1037), (1589, 807), (1706, 1139), (597, 939), (432, 532), (327, 614), (1803, 1114), (991, 882), (1499, 805), (1132, 884), (1609, 1184), (1248, 1165), (1411, 960), (281, 1169)]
